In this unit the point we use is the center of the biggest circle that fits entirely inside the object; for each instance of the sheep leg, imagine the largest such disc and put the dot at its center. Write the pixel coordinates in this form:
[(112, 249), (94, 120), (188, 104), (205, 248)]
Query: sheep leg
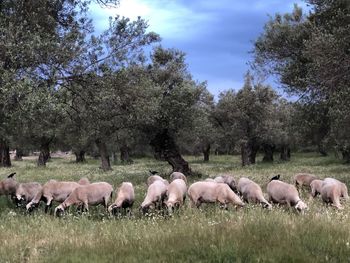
[(86, 206), (48, 204)]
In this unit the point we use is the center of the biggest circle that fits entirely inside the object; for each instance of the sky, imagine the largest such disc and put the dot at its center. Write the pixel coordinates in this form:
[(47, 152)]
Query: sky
[(216, 35)]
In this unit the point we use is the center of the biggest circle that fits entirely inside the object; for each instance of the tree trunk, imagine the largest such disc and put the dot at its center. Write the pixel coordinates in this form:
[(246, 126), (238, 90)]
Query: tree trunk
[(105, 163), (5, 160), (245, 154), (254, 150), (346, 155), (206, 152), (322, 150), (80, 156), (165, 149), (285, 153), (44, 152), (268, 152), (19, 154), (125, 154)]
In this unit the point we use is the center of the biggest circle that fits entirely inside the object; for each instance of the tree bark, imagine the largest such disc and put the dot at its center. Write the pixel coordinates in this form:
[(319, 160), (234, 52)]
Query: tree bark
[(19, 154), (80, 156), (44, 152), (166, 149), (245, 154), (125, 154), (253, 152), (105, 163), (285, 153), (268, 152), (346, 155), (206, 152), (5, 160), (322, 150)]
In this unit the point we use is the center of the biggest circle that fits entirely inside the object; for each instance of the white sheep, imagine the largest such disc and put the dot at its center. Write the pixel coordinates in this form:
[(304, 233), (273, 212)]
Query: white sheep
[(211, 192), (156, 194), (26, 192), (151, 179), (283, 193), (227, 179), (251, 192), (176, 194), (316, 186), (53, 191), (84, 181), (178, 175), (304, 179), (125, 198), (8, 185), (331, 193), (343, 187), (85, 195)]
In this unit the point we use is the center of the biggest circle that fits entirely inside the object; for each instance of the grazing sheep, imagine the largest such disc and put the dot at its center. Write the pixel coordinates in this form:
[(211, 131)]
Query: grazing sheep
[(331, 193), (26, 192), (84, 181), (156, 194), (211, 192), (176, 194), (316, 186), (151, 179), (91, 194), (252, 192), (227, 179), (304, 179), (178, 175), (125, 198), (343, 187), (8, 185), (53, 191), (283, 193)]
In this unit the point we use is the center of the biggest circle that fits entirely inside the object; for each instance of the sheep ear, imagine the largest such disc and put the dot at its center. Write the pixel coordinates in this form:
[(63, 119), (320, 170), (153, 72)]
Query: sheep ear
[(11, 175)]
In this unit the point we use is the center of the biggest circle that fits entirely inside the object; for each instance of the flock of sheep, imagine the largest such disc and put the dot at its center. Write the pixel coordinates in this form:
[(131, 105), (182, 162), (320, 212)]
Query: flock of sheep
[(162, 194)]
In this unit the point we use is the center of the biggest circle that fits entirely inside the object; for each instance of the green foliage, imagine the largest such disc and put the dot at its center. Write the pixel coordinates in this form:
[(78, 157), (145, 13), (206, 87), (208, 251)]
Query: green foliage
[(310, 55)]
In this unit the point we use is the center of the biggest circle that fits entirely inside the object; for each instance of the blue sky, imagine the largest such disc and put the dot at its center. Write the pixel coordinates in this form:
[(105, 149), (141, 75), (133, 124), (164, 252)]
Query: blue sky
[(216, 35)]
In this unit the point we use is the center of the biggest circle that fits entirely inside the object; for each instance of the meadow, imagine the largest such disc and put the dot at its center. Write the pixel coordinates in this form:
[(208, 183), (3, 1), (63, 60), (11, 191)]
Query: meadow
[(210, 234)]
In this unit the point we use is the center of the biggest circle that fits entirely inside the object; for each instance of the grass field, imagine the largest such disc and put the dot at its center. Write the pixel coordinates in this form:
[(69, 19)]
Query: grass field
[(250, 234)]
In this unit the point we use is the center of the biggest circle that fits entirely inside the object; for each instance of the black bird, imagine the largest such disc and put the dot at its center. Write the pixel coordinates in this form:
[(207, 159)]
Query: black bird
[(11, 175), (153, 172), (277, 177)]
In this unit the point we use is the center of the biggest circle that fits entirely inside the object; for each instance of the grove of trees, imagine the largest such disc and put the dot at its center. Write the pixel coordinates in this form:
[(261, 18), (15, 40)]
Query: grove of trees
[(64, 86)]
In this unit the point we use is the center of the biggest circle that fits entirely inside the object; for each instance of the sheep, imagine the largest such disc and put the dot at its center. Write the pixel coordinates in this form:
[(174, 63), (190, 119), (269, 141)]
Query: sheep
[(316, 186), (178, 175), (251, 191), (283, 193), (156, 194), (176, 194), (125, 198), (227, 179), (343, 187), (91, 194), (331, 193), (84, 181), (209, 180), (151, 179), (304, 179), (53, 191), (26, 192), (8, 185), (211, 192)]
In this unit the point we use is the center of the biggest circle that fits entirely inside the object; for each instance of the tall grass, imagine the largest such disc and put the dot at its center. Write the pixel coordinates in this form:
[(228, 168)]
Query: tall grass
[(250, 234)]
